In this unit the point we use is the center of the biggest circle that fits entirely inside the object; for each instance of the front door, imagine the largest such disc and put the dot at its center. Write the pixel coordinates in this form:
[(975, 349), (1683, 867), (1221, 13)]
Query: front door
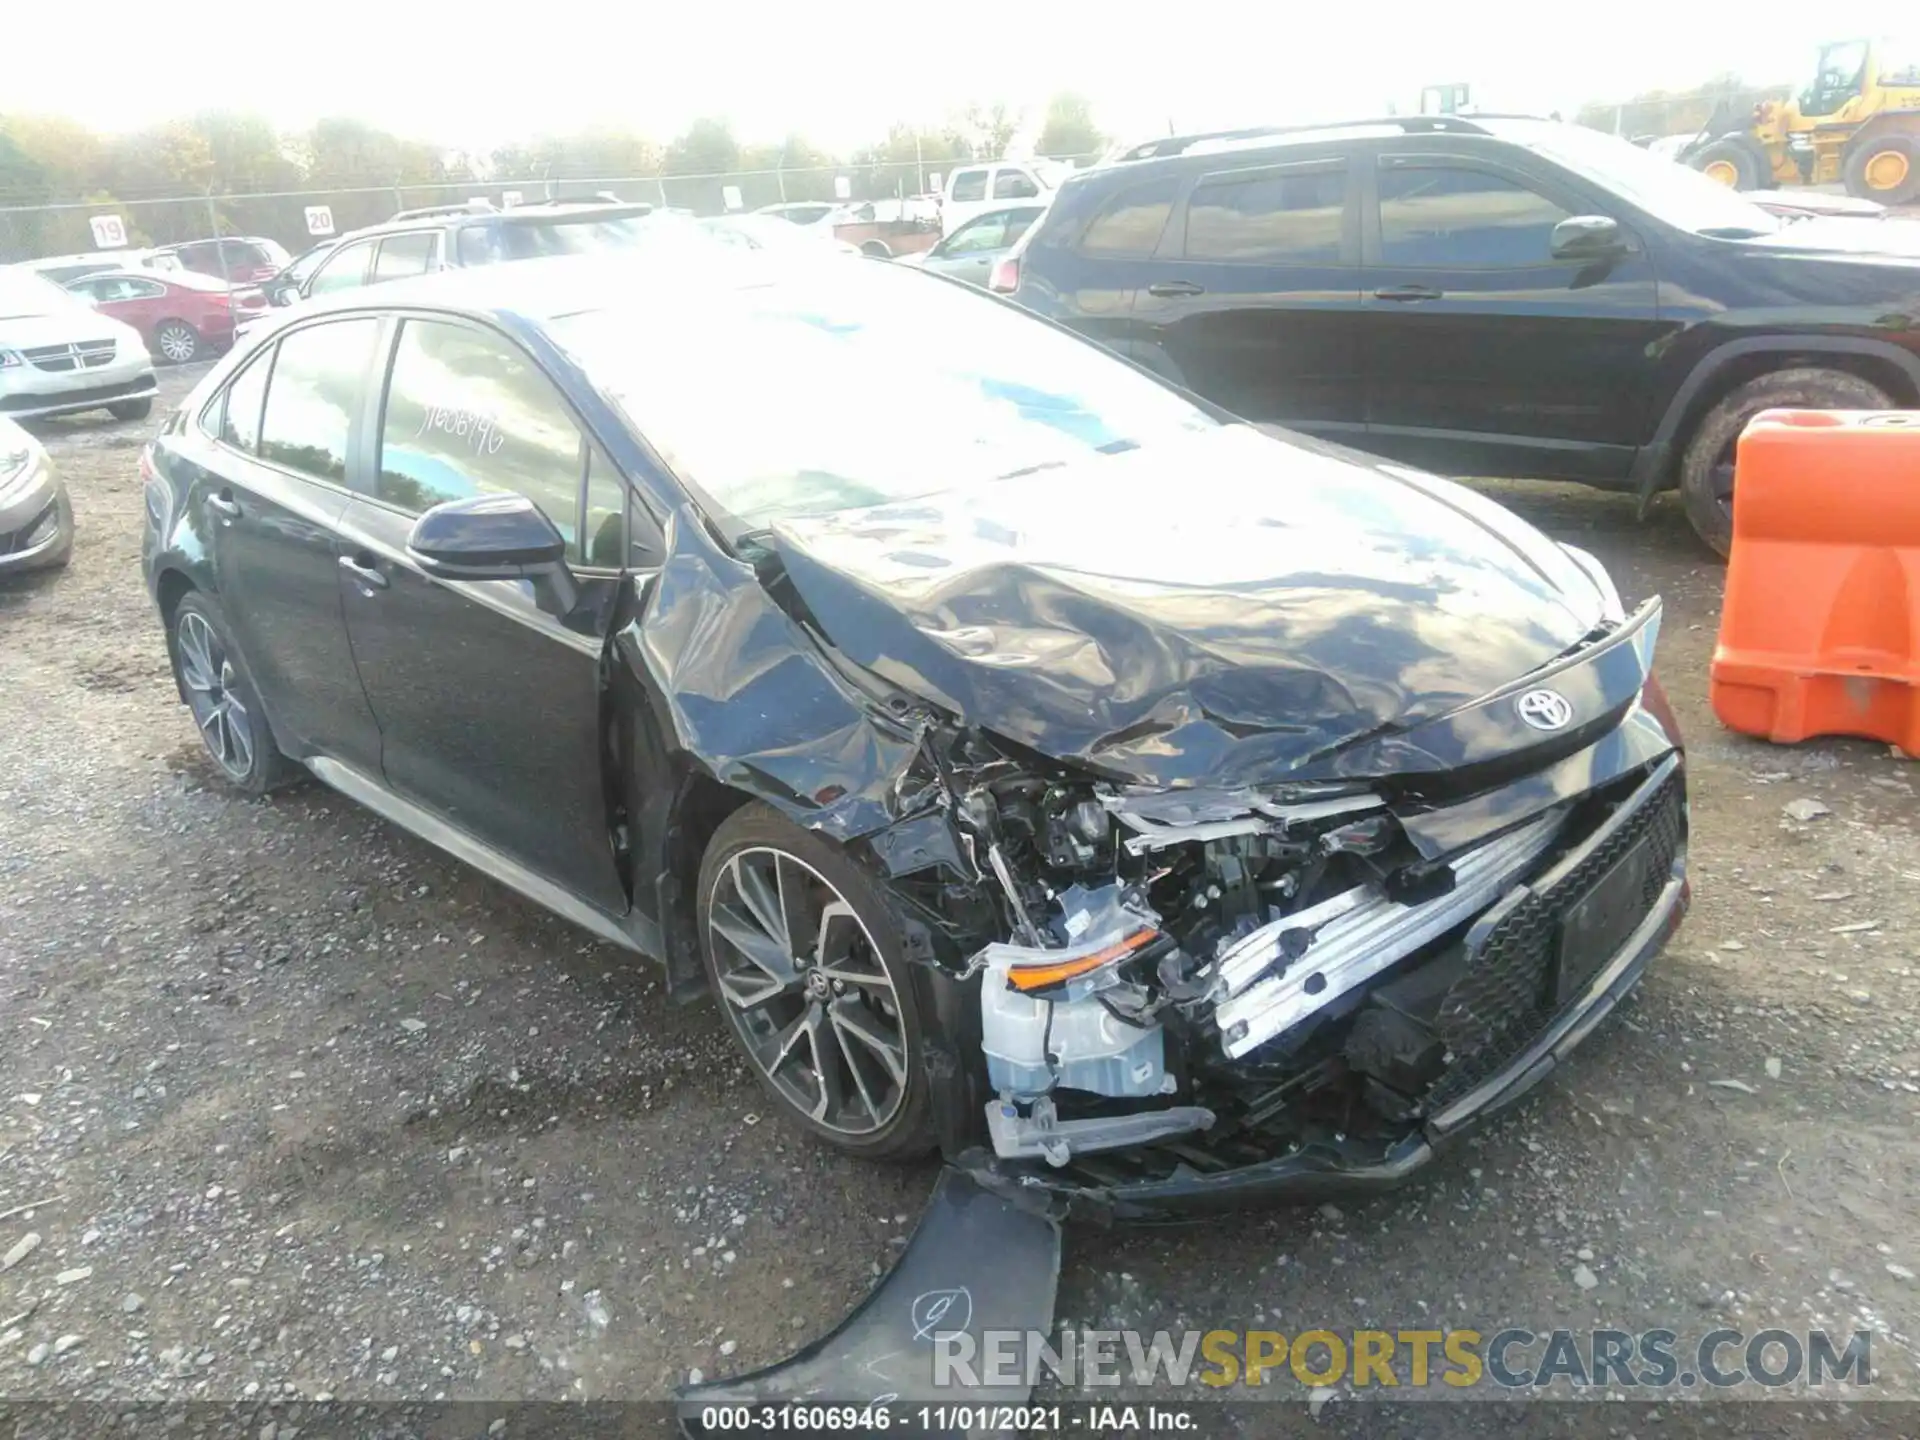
[(968, 254), (272, 485), (1254, 296), (489, 704), (1485, 355)]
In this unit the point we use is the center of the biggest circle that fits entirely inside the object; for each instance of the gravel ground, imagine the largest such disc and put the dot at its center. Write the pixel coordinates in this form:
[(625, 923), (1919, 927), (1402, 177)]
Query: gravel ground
[(291, 1105)]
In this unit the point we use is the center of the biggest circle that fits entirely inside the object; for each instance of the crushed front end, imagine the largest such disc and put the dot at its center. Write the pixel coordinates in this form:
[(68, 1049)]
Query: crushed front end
[(1274, 992)]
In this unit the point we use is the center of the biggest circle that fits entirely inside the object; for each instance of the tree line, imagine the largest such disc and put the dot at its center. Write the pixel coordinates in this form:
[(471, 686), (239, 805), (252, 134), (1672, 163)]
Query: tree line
[(174, 180)]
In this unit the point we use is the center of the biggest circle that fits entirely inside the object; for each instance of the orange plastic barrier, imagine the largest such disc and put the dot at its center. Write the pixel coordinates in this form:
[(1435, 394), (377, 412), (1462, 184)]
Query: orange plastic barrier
[(1819, 631)]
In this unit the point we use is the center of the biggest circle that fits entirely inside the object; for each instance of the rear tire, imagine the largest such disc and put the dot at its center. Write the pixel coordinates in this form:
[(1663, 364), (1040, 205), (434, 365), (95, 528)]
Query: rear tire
[(131, 409), (177, 342), (803, 950), (1885, 168), (225, 707), (1735, 162), (1706, 467), (876, 249)]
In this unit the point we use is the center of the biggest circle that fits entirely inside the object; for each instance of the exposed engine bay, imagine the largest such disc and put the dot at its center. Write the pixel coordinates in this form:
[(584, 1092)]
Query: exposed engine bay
[(1287, 960)]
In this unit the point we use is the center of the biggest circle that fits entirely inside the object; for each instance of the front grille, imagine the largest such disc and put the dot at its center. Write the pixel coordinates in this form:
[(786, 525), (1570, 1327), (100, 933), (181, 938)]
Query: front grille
[(59, 358), (1506, 997)]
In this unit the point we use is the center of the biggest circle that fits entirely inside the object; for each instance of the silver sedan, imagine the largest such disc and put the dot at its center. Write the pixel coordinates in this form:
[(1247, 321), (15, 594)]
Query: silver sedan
[(36, 518)]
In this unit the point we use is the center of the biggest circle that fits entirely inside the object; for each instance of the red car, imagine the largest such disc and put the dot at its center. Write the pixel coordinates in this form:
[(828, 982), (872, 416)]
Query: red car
[(181, 315), (238, 259)]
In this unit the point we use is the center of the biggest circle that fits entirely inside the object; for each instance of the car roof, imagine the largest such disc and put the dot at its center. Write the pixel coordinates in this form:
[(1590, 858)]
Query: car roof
[(536, 291), (519, 215), (1162, 152)]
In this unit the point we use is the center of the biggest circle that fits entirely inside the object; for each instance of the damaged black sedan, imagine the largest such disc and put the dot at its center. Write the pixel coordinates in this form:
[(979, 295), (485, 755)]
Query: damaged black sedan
[(1144, 809)]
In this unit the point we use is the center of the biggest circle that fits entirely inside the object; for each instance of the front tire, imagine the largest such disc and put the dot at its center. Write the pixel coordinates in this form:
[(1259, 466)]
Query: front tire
[(177, 342), (131, 409), (226, 708), (1736, 163), (808, 960), (1706, 469)]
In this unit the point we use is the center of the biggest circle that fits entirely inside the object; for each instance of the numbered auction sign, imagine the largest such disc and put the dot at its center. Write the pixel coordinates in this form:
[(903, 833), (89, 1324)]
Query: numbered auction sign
[(319, 219), (109, 231)]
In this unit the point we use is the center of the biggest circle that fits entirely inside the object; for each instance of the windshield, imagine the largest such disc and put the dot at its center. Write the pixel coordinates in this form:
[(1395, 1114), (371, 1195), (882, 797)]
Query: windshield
[(865, 384), (23, 293), (1675, 193), (533, 239)]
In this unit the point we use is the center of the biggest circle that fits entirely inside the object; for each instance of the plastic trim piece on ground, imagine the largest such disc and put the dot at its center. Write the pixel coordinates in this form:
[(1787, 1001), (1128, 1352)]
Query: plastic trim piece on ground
[(977, 1262)]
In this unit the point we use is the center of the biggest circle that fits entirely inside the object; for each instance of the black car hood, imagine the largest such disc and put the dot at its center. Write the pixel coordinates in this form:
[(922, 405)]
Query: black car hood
[(1223, 610)]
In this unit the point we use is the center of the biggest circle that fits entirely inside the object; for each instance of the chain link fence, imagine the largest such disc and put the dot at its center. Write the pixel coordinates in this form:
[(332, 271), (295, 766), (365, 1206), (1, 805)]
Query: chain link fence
[(29, 232), (1719, 108)]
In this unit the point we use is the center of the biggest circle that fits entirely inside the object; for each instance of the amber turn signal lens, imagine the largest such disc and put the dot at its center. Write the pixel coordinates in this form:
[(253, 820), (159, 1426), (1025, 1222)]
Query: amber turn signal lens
[(1039, 977)]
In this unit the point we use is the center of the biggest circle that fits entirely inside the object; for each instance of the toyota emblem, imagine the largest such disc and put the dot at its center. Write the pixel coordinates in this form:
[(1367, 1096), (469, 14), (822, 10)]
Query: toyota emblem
[(1544, 709)]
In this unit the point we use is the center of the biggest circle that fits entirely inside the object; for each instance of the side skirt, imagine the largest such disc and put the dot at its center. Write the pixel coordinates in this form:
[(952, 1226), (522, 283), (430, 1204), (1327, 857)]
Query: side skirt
[(635, 933)]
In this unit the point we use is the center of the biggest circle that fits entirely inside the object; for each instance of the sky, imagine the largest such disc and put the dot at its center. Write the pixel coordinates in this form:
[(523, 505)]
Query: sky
[(475, 76)]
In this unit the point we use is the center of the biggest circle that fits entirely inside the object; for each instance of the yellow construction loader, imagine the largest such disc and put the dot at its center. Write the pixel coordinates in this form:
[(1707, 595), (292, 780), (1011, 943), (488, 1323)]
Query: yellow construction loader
[(1857, 123)]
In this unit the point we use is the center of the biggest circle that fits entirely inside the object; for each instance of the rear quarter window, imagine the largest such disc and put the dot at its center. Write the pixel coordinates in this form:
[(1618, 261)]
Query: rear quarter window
[(1131, 222)]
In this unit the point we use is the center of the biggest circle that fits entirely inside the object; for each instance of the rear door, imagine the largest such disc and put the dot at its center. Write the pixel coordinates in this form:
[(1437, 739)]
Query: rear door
[(272, 452), (402, 256), (1484, 354), (143, 304), (489, 706), (1254, 295)]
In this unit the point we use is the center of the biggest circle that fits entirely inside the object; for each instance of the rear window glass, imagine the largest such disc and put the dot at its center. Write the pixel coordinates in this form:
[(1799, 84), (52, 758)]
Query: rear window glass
[(1132, 222), (240, 415), (318, 377), (1295, 216), (1014, 185), (970, 185)]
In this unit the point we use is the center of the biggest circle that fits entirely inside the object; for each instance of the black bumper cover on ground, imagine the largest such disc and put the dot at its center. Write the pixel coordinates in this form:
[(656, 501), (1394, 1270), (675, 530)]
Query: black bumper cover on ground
[(977, 1262)]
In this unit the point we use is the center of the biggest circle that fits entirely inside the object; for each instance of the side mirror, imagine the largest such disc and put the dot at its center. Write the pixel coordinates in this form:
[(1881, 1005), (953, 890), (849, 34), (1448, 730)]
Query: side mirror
[(1588, 237), (486, 537)]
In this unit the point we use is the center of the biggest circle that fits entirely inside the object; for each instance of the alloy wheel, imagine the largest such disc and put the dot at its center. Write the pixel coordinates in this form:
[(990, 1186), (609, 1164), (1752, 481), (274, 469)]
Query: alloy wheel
[(177, 343), (208, 676), (807, 991)]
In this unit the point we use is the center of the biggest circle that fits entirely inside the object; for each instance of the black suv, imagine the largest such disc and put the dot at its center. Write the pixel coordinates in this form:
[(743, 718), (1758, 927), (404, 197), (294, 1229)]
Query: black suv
[(1484, 296), (451, 237)]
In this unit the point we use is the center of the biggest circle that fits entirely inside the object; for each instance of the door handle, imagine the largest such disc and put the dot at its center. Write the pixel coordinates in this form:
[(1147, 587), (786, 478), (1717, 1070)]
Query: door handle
[(364, 571), (1167, 288), (224, 505), (1407, 292)]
